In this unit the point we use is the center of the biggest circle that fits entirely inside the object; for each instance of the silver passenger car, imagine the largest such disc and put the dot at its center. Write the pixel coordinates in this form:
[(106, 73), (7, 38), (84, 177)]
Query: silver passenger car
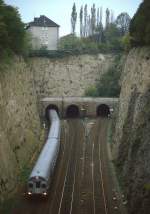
[(40, 177)]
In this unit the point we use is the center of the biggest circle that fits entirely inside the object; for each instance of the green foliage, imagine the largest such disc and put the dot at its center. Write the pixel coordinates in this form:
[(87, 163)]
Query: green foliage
[(69, 42), (140, 25), (24, 173), (27, 46), (80, 45), (91, 44), (106, 38), (123, 22), (91, 92), (112, 37), (108, 85), (126, 42), (12, 32), (73, 18), (81, 21)]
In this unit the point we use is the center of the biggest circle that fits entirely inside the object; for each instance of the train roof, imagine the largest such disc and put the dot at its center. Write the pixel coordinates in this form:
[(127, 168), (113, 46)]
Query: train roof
[(43, 164)]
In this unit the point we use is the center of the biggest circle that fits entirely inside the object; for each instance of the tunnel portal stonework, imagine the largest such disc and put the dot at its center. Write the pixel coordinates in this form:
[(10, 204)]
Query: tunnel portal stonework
[(87, 105)]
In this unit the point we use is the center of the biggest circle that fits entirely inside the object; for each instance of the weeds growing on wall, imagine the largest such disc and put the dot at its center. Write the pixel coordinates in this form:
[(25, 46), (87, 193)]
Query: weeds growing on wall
[(109, 83)]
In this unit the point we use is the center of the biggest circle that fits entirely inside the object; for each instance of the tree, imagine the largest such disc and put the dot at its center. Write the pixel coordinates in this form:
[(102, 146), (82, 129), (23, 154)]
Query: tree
[(81, 21), (98, 17), (15, 29), (12, 32), (69, 42), (99, 33), (3, 28), (73, 18), (112, 37), (1, 2), (107, 17), (101, 15), (123, 22), (140, 26), (126, 42), (93, 18), (85, 20), (111, 16), (89, 26)]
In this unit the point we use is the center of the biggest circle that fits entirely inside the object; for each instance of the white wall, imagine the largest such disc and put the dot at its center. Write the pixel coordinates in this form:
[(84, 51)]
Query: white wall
[(47, 36)]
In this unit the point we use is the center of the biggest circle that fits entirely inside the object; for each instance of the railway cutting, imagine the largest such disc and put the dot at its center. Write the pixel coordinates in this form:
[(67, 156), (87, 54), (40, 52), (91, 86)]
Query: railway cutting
[(82, 182)]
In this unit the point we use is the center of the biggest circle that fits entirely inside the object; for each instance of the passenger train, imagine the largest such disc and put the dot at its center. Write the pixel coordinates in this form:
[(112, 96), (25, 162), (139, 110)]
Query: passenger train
[(41, 175)]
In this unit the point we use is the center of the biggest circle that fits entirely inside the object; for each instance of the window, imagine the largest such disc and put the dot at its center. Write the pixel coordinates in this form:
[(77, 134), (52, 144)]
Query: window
[(43, 185), (44, 28), (38, 183)]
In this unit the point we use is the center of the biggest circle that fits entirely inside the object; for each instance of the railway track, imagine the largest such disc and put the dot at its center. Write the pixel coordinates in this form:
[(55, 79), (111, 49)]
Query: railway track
[(82, 182)]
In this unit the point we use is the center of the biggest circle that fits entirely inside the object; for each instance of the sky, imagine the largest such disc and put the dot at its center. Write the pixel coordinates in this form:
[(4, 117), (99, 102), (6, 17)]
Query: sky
[(60, 10)]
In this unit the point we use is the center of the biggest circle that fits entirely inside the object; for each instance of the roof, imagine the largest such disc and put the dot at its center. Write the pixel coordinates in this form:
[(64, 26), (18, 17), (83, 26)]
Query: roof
[(42, 21)]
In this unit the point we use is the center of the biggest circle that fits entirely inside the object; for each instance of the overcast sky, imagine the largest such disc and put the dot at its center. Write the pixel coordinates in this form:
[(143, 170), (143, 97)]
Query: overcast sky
[(60, 10)]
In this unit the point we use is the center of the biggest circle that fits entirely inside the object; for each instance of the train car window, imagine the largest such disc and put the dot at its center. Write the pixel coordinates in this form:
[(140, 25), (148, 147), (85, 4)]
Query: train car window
[(43, 185), (30, 185), (38, 183)]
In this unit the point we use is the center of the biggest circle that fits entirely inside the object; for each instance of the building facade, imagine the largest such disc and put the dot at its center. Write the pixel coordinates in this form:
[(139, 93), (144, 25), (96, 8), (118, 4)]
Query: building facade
[(44, 33)]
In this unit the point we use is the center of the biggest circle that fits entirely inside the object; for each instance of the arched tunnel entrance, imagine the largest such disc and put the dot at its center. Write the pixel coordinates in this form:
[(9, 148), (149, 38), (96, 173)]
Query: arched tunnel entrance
[(51, 106), (103, 110), (72, 111)]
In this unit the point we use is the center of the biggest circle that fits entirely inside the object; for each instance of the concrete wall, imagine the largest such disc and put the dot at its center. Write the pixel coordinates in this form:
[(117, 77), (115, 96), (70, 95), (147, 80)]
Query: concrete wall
[(44, 36)]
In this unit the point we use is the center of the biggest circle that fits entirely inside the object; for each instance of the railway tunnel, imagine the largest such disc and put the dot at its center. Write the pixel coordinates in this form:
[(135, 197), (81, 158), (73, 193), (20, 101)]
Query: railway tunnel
[(72, 111), (75, 158), (51, 106), (103, 110)]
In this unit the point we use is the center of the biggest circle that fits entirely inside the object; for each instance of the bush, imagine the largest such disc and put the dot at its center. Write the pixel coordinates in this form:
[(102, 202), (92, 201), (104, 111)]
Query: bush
[(126, 42), (88, 45), (108, 85), (91, 92)]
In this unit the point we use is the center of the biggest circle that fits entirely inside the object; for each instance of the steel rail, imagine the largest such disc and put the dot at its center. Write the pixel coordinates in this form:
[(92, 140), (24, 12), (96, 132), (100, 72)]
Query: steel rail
[(64, 184), (101, 174)]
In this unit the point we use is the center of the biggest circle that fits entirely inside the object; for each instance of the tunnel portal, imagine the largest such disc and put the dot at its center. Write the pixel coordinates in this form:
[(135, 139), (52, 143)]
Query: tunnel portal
[(51, 106), (103, 110), (72, 111)]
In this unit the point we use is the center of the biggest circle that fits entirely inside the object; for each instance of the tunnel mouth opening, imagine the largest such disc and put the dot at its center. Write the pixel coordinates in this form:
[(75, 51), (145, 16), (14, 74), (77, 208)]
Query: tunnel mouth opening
[(49, 107), (72, 111), (103, 110)]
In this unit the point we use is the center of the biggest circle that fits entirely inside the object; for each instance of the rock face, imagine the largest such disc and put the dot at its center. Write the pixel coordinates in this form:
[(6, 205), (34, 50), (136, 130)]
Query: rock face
[(68, 76), (21, 86), (19, 124), (132, 135)]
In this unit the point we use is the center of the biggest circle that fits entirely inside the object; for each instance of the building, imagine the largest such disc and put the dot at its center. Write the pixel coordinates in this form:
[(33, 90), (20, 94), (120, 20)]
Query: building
[(44, 33)]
